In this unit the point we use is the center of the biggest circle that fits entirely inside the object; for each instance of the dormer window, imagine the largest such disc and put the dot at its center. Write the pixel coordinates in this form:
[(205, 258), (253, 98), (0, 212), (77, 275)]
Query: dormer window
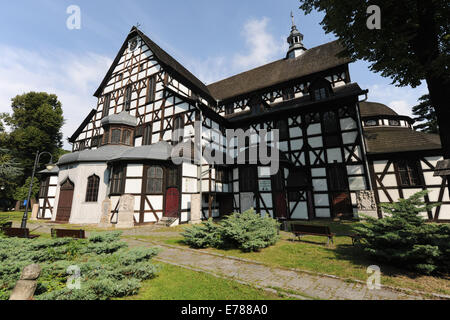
[(320, 89), (288, 94), (371, 123), (394, 123), (118, 136), (229, 109)]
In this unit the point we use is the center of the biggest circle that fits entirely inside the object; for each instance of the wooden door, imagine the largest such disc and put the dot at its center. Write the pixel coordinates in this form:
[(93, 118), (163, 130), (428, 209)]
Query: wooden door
[(172, 206), (280, 206), (342, 205), (279, 195), (226, 204), (65, 202)]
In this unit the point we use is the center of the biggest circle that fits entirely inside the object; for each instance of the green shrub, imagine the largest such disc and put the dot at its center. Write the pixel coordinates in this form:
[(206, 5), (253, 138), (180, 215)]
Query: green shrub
[(203, 235), (247, 231), (404, 238), (108, 268)]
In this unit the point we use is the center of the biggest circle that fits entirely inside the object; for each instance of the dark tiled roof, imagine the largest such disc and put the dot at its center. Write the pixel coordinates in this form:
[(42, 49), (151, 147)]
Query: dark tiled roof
[(392, 140), (370, 109), (313, 60)]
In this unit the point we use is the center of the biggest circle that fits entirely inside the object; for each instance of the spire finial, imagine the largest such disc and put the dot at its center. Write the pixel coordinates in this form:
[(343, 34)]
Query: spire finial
[(292, 17)]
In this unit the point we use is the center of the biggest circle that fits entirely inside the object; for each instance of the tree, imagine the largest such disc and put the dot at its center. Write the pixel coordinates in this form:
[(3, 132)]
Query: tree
[(21, 193), (35, 124), (404, 238), (10, 171), (426, 115), (412, 44)]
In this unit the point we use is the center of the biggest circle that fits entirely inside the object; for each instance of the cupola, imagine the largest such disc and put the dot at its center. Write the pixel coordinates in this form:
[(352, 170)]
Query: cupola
[(295, 40)]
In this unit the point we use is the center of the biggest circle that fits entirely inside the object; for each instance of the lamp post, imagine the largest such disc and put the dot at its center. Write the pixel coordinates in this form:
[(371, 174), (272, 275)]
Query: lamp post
[(49, 166)]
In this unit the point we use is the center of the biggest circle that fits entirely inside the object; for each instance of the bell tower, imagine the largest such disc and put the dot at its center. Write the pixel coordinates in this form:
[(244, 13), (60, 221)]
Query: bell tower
[(295, 40)]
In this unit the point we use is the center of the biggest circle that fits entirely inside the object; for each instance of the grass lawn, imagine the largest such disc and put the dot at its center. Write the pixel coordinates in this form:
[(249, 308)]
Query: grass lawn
[(12, 215), (175, 283), (342, 259)]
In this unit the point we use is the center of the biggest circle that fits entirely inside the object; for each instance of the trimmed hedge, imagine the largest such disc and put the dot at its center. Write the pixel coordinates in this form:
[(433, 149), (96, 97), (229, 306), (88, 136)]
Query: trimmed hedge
[(247, 231)]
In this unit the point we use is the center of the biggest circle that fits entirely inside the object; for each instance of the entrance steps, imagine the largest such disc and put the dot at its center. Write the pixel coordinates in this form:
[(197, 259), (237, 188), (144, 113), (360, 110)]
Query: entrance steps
[(168, 222)]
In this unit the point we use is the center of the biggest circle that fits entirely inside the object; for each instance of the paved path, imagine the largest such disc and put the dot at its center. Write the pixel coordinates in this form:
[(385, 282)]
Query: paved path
[(289, 281)]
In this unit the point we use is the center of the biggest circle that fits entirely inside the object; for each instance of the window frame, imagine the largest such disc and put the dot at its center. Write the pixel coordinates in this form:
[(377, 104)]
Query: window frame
[(406, 169), (127, 97), (106, 105), (92, 189), (149, 180), (117, 181), (151, 90)]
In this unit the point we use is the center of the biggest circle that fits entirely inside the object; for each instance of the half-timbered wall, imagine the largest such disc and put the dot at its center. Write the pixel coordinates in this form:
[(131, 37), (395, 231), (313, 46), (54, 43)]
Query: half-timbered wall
[(47, 196), (388, 188)]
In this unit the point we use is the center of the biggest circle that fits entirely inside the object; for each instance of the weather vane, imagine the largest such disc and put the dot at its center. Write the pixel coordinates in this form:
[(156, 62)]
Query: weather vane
[(138, 25)]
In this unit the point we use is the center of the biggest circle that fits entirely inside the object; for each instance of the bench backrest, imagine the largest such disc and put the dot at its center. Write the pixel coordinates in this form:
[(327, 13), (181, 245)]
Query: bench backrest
[(64, 233), (6, 225), (311, 229), (17, 232)]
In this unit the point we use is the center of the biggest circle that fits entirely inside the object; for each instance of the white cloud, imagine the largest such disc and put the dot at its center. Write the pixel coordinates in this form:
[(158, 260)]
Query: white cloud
[(263, 47), (72, 77), (401, 99)]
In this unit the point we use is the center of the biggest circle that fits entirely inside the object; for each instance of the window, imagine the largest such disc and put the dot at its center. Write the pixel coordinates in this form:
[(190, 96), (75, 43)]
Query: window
[(394, 123), (44, 188), (120, 77), (248, 179), (178, 129), (223, 175), (288, 94), (172, 177), (127, 103), (147, 135), (115, 136), (338, 178), (229, 109), (92, 189), (142, 67), (320, 94), (106, 105), (283, 129), (371, 123), (106, 137), (330, 128), (154, 182), (126, 137), (408, 172), (96, 141), (330, 123), (117, 180), (151, 89)]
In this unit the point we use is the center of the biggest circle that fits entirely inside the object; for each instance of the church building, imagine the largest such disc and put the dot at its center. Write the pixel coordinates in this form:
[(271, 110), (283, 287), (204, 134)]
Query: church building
[(333, 144)]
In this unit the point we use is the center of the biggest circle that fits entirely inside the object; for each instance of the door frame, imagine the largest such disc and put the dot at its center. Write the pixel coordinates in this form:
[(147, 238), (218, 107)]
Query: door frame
[(59, 198)]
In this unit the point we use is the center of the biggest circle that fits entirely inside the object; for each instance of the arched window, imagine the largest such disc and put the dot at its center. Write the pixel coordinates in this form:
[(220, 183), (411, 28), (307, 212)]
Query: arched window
[(154, 183), (92, 188)]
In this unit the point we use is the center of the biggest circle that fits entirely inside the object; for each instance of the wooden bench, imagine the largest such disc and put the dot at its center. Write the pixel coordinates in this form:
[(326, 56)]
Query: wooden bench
[(65, 233), (6, 225), (300, 230), (19, 233)]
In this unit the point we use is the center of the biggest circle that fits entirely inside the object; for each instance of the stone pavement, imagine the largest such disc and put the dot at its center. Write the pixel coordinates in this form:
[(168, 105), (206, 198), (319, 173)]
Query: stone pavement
[(305, 285)]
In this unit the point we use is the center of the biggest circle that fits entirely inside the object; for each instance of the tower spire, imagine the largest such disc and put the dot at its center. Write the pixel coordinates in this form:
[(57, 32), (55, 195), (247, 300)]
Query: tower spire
[(295, 40)]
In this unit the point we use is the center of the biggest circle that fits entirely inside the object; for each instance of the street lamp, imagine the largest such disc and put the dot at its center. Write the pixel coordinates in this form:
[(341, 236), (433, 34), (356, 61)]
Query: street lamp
[(49, 167)]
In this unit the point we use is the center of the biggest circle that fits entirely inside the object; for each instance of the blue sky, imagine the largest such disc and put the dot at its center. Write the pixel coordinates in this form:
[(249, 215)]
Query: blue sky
[(214, 39)]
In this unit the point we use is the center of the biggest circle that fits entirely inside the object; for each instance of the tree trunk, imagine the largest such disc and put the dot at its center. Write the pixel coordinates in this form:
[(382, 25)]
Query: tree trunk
[(427, 49)]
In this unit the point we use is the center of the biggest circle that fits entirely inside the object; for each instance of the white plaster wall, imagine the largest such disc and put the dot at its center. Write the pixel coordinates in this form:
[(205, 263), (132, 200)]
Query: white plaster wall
[(83, 212)]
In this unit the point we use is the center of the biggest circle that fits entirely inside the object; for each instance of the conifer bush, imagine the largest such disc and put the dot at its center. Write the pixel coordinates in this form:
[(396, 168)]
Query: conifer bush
[(248, 232), (108, 268), (403, 237)]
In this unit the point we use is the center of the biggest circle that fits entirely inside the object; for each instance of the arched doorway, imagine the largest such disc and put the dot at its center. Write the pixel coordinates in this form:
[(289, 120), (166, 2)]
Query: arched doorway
[(65, 202)]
